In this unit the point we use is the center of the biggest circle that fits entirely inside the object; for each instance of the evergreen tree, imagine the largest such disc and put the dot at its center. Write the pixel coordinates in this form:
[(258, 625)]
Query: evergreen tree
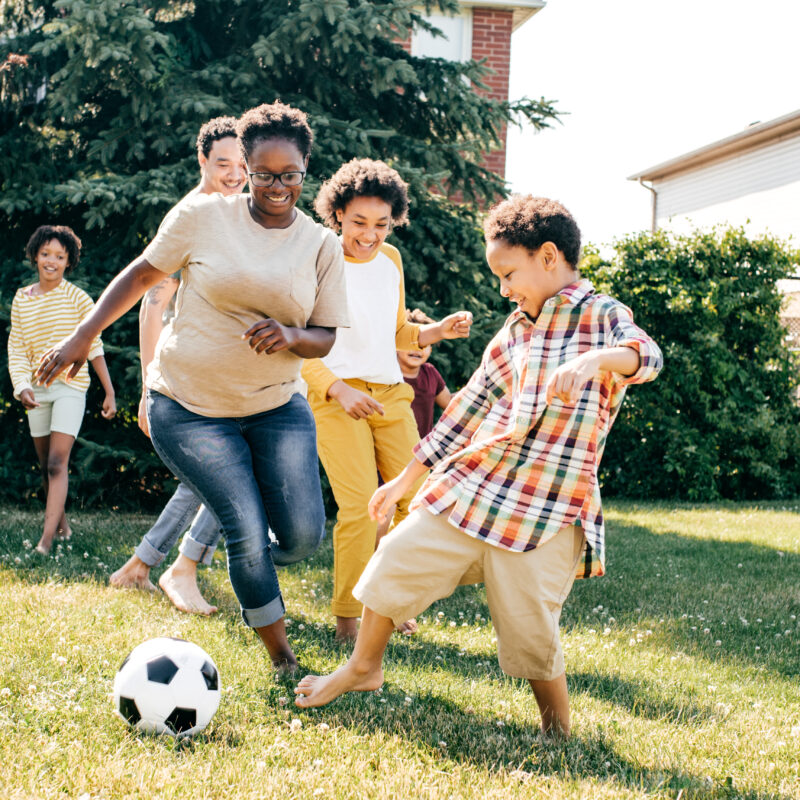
[(100, 103)]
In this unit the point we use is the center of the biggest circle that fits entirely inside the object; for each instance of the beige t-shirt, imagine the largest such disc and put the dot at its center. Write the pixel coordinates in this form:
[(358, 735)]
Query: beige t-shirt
[(234, 273)]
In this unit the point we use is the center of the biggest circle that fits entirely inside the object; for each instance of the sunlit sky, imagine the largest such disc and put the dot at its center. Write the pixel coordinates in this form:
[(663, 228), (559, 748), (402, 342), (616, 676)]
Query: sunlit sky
[(643, 81)]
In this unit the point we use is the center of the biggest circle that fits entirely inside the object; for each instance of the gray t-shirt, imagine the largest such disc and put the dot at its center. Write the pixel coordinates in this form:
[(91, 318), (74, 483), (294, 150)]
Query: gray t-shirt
[(234, 272)]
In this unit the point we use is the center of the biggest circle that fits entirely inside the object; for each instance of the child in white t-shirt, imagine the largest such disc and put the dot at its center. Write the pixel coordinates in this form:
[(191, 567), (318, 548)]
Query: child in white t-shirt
[(361, 404)]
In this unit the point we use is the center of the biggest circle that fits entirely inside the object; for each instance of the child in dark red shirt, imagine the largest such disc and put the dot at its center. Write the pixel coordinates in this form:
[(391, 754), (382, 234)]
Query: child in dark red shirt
[(426, 381)]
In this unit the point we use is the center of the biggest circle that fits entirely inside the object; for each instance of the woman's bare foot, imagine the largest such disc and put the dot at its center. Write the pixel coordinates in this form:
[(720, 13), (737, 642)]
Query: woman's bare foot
[(407, 628), (65, 534), (346, 629), (133, 574), (45, 545), (180, 586), (317, 690)]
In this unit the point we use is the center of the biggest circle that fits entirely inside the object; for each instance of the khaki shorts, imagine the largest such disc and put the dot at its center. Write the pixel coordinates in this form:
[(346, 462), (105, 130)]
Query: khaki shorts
[(60, 410), (425, 557)]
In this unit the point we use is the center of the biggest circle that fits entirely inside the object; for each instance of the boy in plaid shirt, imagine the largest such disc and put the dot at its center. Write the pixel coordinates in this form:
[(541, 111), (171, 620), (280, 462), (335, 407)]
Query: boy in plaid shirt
[(512, 499)]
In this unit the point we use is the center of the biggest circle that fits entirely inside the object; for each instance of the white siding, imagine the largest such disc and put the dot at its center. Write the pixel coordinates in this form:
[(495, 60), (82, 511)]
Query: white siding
[(759, 170), (774, 211)]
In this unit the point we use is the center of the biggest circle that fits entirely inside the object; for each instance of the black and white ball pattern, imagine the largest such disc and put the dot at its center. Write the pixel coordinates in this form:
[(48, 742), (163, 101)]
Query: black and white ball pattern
[(167, 686)]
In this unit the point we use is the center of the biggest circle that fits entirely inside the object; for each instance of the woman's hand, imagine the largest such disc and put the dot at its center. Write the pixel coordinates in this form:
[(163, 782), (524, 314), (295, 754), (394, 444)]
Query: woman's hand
[(74, 350), (357, 404), (109, 407), (269, 336), (27, 399)]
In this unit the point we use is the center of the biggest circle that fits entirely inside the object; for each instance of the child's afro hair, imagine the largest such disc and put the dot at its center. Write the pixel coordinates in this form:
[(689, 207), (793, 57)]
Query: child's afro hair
[(274, 121), (529, 222), (63, 235), (214, 130), (362, 177)]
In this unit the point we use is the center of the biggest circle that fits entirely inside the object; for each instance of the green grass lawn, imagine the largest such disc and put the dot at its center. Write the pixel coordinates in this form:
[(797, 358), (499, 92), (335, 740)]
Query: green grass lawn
[(682, 662)]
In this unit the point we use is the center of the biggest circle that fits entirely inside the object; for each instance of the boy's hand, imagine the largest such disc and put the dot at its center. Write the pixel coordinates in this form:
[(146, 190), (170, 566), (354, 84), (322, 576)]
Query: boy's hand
[(27, 399), (357, 404), (456, 326), (385, 498), (109, 407), (269, 336), (567, 382), (142, 415)]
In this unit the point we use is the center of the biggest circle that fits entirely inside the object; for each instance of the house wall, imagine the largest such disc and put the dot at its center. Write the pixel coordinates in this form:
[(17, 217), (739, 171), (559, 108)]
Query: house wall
[(773, 211), (491, 39), (479, 33), (752, 173)]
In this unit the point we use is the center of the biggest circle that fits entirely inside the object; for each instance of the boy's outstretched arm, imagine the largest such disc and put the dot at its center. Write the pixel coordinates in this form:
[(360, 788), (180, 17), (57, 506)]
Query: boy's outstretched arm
[(390, 493), (567, 382)]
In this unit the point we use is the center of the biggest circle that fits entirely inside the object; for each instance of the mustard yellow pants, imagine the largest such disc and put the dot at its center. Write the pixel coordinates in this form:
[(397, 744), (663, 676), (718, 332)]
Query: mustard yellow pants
[(353, 452)]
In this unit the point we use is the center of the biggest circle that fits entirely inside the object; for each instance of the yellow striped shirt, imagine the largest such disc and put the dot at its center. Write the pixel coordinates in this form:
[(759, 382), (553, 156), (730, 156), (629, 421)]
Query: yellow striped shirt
[(40, 321)]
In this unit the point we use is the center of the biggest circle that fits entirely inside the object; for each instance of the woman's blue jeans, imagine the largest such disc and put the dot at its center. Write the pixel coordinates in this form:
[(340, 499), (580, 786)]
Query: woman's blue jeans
[(256, 474)]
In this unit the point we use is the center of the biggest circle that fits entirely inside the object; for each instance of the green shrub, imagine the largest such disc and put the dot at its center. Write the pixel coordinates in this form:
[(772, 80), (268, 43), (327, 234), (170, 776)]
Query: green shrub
[(721, 420)]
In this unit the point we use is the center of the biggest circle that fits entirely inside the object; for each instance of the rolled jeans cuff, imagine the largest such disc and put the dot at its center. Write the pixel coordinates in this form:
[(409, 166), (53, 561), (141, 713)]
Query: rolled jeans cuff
[(197, 551), (266, 615), (148, 554)]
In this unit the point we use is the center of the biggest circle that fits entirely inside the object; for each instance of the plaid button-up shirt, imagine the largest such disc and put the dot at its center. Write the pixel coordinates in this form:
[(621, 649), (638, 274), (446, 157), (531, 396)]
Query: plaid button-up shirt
[(515, 469)]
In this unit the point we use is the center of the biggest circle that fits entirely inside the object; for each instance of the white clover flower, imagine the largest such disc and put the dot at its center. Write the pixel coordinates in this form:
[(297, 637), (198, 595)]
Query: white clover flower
[(296, 725)]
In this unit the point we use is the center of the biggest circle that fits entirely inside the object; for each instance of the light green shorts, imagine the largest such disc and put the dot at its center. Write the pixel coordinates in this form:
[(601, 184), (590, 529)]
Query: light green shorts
[(60, 410)]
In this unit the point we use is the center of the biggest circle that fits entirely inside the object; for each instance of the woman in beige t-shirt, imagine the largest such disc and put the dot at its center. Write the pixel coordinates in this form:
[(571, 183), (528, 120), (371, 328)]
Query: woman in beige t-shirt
[(262, 288)]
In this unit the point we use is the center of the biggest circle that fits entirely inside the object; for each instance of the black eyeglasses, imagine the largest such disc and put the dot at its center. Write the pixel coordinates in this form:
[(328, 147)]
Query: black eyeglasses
[(268, 178)]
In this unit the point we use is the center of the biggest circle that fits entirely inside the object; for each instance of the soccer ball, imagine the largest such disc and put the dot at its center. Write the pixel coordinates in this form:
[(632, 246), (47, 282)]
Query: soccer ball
[(167, 686)]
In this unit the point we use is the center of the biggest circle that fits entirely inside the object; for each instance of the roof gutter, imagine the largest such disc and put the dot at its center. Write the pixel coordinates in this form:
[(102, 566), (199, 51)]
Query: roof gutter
[(654, 217)]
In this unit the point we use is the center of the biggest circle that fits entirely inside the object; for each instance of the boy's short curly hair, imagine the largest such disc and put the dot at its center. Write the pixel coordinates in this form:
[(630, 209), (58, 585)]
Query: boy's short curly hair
[(271, 121), (64, 235), (214, 130), (529, 222), (362, 177)]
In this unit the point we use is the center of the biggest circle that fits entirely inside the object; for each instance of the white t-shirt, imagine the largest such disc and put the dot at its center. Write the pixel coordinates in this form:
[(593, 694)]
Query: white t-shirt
[(367, 349)]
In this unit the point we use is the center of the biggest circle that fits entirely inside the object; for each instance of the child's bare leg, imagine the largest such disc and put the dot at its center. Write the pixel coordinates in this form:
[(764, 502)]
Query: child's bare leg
[(133, 574), (275, 640), (59, 448), (361, 673), (408, 627), (179, 584), (553, 701)]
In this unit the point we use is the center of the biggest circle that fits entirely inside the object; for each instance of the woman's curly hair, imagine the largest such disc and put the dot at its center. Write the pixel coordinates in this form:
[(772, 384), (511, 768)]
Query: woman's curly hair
[(64, 235), (274, 121), (529, 222), (362, 177)]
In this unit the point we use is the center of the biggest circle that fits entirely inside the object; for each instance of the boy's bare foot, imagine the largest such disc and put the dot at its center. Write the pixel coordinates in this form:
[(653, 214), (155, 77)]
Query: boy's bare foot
[(346, 629), (317, 690), (133, 574), (183, 592), (407, 628)]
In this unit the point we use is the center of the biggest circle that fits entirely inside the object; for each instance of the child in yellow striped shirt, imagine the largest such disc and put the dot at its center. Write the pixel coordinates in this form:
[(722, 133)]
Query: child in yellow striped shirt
[(41, 315)]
